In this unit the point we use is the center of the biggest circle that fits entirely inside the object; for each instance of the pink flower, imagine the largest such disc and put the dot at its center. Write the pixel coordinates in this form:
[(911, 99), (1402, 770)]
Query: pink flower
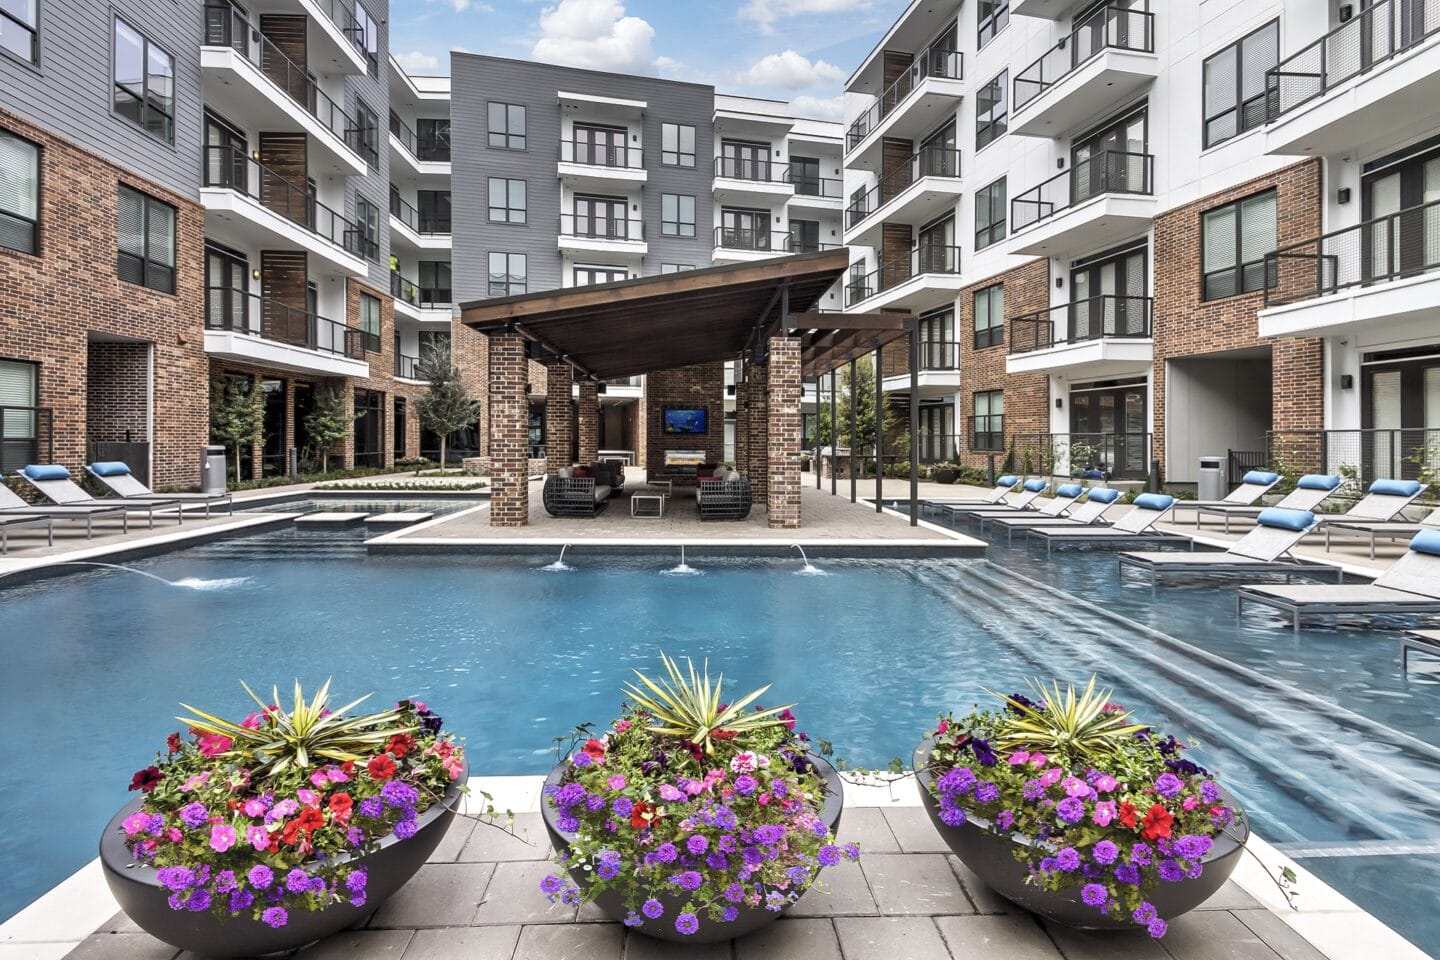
[(1019, 757), (222, 837), (1038, 759), (617, 782), (212, 744), (252, 722), (1104, 812), (174, 835), (453, 766), (764, 799), (622, 726), (420, 706), (257, 838), (670, 794), (1075, 787), (694, 787), (1189, 803), (134, 823), (307, 797), (336, 775), (1051, 776), (254, 807), (1105, 783), (320, 778), (195, 782)]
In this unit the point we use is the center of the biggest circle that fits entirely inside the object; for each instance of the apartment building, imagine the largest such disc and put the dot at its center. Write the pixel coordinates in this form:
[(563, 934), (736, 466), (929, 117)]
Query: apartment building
[(1118, 223)]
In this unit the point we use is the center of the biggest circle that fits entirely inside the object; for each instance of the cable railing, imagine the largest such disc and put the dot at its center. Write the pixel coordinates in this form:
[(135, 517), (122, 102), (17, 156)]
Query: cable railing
[(592, 154), (924, 258), (754, 169), (1114, 171), (931, 161), (826, 188), (1108, 316), (1098, 455), (426, 224), (27, 435), (931, 62), (986, 433), (427, 148), (1373, 36), (589, 226), (407, 367), (1111, 27), (748, 238), (237, 311), (1398, 245), (1363, 455)]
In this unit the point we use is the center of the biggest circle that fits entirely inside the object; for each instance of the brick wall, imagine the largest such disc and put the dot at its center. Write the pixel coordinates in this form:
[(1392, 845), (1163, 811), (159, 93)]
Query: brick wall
[(469, 351), (117, 394), (757, 398), (587, 420), (559, 418), (509, 431), (382, 373), (783, 440), (699, 386)]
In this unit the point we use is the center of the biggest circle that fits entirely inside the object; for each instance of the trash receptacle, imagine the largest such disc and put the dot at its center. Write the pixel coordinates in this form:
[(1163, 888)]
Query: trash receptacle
[(212, 470), (1210, 479)]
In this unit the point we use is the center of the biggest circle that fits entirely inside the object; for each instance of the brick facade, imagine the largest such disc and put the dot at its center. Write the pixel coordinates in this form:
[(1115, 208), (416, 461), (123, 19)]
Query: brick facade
[(699, 386), (509, 432), (783, 434), (559, 418), (587, 420), (757, 450)]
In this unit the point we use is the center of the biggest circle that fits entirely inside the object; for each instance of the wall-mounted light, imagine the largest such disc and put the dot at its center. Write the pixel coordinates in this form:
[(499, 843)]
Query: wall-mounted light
[(1059, 283), (1059, 163), (255, 274), (1347, 381), (1342, 195), (1346, 12), (1059, 403)]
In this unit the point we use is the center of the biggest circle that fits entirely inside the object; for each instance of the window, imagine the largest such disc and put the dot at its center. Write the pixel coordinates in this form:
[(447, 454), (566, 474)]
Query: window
[(937, 340), (367, 133), (991, 111), (370, 322), (433, 207), (507, 274), (19, 193), (988, 425), (990, 316), (1233, 241), (507, 126), (677, 215), (804, 236), (507, 200), (676, 267), (990, 18), (588, 276), (1234, 84), (990, 214), (805, 174), (432, 139), (146, 231), (434, 281), (144, 90), (367, 38), (367, 232), (19, 28), (677, 145)]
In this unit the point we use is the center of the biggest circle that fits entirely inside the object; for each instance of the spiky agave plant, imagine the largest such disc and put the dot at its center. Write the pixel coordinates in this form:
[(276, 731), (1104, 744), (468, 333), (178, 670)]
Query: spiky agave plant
[(1063, 724), (308, 732), (690, 706)]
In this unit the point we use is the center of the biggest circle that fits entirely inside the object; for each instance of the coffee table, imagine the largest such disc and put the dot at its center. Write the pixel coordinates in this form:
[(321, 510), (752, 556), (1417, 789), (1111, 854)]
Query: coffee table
[(665, 485), (649, 506)]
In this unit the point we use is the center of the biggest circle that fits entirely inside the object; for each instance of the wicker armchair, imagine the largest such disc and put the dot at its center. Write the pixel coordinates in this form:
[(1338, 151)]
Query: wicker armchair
[(566, 496), (612, 474), (723, 497)]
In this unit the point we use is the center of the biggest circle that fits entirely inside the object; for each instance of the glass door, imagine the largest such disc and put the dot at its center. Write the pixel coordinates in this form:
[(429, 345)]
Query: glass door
[(602, 217), (805, 174), (935, 249), (600, 146), (225, 155), (1111, 160), (1108, 298), (1406, 239), (804, 236), (939, 155), (745, 229), (1108, 431), (744, 160), (227, 276)]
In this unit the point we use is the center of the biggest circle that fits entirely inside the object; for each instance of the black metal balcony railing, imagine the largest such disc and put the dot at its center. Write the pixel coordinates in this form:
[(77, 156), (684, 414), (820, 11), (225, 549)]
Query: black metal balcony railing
[(932, 161), (228, 167), (1368, 455), (987, 433), (426, 298), (428, 148), (342, 14), (1376, 34), (237, 311), (748, 238), (1101, 455), (592, 227), (754, 169), (407, 367), (925, 258), (616, 156), (1114, 171), (936, 447), (1392, 247), (1111, 27), (939, 355), (27, 435), (1095, 318), (427, 224), (827, 188), (931, 62)]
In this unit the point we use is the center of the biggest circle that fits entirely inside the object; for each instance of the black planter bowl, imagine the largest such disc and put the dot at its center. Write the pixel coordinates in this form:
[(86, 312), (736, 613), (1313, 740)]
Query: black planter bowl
[(710, 931), (992, 859), (138, 891), (946, 476)]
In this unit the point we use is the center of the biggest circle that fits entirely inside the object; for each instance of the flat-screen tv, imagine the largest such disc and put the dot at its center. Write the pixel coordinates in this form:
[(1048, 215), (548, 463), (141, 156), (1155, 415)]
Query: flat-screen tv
[(684, 420)]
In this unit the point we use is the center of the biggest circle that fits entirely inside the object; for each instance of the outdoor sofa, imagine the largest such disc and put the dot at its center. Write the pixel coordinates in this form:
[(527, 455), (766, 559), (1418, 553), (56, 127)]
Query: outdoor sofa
[(724, 495), (575, 492), (1265, 549)]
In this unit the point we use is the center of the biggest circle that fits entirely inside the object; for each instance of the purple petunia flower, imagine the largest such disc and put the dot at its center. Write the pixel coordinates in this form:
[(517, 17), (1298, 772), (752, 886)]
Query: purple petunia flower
[(734, 893), (1068, 859), (176, 878), (297, 881), (986, 792), (716, 860), (652, 908), (697, 844), (1094, 895), (1105, 852), (550, 885), (632, 919), (1170, 871), (1128, 873), (372, 807), (798, 875), (225, 882), (1156, 928), (622, 806), (1144, 913), (356, 881), (1209, 792), (1140, 854), (1033, 790), (666, 853), (688, 880), (582, 760), (852, 851), (398, 793), (1193, 846), (829, 855), (729, 915), (199, 900), (241, 900), (745, 785), (260, 876), (567, 824), (275, 917), (405, 829), (1004, 819), (687, 923), (952, 816), (1070, 810), (194, 814), (1168, 785)]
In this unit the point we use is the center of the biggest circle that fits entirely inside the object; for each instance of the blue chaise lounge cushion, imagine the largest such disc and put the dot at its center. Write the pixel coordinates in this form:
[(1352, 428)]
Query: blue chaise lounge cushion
[(1069, 490), (46, 471), (1104, 494), (1154, 501), (1261, 478), (1036, 485), (1286, 519), (1426, 541), (1318, 481), (1397, 488), (109, 468), (1007, 481)]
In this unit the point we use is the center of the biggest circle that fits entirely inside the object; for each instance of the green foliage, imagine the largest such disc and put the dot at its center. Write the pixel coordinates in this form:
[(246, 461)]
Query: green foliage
[(410, 486), (691, 708), (1074, 728), (862, 394), (237, 414), (447, 406), (329, 423)]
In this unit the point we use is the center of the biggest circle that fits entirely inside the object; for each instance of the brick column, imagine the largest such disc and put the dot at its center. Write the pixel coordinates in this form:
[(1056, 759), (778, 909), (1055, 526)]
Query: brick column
[(559, 417), (587, 420), (509, 431), (783, 434), (257, 449), (757, 468), (742, 426)]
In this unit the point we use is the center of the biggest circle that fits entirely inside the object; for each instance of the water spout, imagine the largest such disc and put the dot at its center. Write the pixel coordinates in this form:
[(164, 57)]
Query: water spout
[(808, 569), (559, 566), (187, 583), (684, 569)]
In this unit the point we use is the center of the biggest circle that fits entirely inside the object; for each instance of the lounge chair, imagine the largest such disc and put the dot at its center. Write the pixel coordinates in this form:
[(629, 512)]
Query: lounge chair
[(1065, 496), (1030, 491), (1004, 485), (1265, 549), (12, 506), (54, 484), (1418, 641), (1410, 585), (1310, 491), (1089, 513), (7, 523), (1382, 503), (724, 495), (1134, 527), (118, 479), (1380, 530), (1253, 486), (567, 495)]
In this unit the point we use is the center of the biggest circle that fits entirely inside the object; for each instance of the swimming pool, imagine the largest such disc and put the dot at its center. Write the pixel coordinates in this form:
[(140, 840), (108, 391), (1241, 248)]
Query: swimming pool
[(1329, 749)]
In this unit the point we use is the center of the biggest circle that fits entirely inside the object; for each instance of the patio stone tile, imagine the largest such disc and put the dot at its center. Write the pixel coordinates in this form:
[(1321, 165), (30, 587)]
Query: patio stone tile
[(1278, 935), (360, 945), (890, 938), (468, 943), (440, 895), (578, 941), (122, 946), (985, 899), (915, 883), (1230, 897), (120, 923), (514, 896), (842, 891), (489, 844), (914, 831), (640, 947), (1215, 935), (1105, 945), (1012, 937), (792, 940), (35, 951), (868, 827), (448, 850)]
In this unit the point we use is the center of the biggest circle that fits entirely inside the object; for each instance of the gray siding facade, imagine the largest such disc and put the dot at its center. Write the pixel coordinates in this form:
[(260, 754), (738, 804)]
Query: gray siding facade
[(375, 185)]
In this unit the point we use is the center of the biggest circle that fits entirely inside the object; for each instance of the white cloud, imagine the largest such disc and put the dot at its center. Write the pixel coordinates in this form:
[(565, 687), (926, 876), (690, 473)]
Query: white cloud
[(819, 108), (766, 12), (416, 62), (597, 35), (460, 6), (790, 71)]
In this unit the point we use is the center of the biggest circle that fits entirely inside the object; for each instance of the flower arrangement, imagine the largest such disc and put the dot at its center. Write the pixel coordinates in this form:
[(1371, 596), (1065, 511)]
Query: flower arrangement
[(1104, 804), (272, 814), (692, 808)]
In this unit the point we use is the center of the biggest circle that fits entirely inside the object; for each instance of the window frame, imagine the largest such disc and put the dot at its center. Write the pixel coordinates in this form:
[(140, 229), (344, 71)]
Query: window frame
[(988, 230), (368, 314), (993, 126), (993, 334), (679, 153), (147, 203), (367, 135), (34, 222), (506, 135), (975, 416), (31, 28), (371, 241), (995, 21), (1238, 267), (369, 31), (508, 284), (508, 210), (666, 268), (144, 100), (1238, 106), (676, 227)]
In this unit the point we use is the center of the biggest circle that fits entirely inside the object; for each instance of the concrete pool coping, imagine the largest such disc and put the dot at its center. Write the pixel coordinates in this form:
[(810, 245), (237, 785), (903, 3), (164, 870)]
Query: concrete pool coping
[(61, 919)]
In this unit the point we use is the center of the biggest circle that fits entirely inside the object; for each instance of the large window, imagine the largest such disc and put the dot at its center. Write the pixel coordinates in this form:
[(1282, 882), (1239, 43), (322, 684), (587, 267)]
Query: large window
[(990, 18), (990, 214), (367, 132), (677, 145), (367, 221), (507, 200), (507, 126), (507, 274), (1235, 84), (19, 193), (19, 28), (367, 38), (677, 215), (991, 111), (144, 88), (370, 321), (432, 139), (434, 281), (1234, 240), (990, 316), (987, 433), (589, 276), (146, 232)]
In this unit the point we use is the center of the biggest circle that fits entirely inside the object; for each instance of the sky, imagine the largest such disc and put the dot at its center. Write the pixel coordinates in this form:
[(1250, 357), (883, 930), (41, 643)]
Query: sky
[(795, 50)]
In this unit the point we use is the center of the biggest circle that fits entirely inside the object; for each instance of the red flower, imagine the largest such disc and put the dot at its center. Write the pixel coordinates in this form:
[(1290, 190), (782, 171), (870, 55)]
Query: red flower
[(400, 744), (787, 717), (340, 804), (1127, 814), (310, 820), (724, 734), (147, 779), (642, 815), (381, 767), (943, 728), (348, 766), (594, 749), (1157, 823), (173, 742)]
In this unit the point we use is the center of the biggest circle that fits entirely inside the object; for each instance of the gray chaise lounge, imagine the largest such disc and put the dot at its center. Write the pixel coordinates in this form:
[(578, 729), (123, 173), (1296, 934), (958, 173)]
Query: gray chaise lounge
[(1266, 549), (54, 484), (12, 506), (1310, 491), (1089, 513), (119, 480), (1065, 496), (1134, 527), (1253, 486), (1380, 530)]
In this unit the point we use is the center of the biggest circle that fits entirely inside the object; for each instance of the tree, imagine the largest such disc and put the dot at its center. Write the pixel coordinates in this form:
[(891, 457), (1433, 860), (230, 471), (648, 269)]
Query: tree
[(447, 406), (329, 422), (237, 414), (862, 392)]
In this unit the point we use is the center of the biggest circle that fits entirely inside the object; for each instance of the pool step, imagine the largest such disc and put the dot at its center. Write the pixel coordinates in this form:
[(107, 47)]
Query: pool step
[(397, 519), (330, 520)]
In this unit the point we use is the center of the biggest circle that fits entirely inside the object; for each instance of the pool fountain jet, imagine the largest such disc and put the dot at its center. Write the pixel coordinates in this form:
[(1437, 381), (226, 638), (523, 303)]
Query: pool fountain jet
[(559, 566), (187, 583), (684, 569), (809, 569)]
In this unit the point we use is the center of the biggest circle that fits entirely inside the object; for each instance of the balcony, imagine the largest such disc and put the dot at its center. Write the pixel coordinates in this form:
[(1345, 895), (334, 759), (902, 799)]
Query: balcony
[(248, 205), (915, 192), (938, 374), (591, 166), (427, 156), (1094, 205), (742, 180), (924, 278), (1100, 337), (1044, 9), (1105, 60), (586, 233), (407, 368), (252, 83), (986, 433), (912, 106), (1385, 270), (27, 435), (1369, 80), (419, 231), (248, 328), (336, 36), (816, 193), (739, 244), (423, 304)]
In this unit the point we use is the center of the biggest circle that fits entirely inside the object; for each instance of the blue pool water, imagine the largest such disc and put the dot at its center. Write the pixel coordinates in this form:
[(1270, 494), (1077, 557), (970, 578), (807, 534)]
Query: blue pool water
[(1330, 749)]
